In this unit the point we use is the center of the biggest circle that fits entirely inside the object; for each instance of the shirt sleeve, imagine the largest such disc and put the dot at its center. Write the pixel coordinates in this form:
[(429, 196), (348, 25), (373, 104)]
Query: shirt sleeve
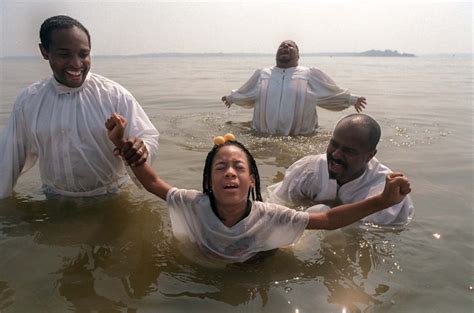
[(399, 214), (296, 185), (329, 96), (139, 125), (246, 95), (15, 155), (284, 226)]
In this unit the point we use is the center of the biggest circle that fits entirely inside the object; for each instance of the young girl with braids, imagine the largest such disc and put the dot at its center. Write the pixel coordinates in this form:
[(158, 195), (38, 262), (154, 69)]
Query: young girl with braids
[(222, 219)]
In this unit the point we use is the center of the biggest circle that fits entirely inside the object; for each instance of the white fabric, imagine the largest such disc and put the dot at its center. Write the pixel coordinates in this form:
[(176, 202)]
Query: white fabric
[(64, 128), (268, 226), (308, 179), (285, 100)]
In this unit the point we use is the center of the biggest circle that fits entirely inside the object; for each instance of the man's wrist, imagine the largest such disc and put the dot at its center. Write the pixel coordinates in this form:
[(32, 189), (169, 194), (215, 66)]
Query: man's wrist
[(380, 202), (119, 143)]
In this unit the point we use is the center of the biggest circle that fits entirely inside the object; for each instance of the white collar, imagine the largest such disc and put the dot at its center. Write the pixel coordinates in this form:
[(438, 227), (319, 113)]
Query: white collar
[(286, 70), (62, 89)]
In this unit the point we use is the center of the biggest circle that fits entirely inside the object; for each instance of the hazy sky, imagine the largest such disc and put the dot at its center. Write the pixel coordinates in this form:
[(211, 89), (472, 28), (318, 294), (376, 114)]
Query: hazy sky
[(135, 27)]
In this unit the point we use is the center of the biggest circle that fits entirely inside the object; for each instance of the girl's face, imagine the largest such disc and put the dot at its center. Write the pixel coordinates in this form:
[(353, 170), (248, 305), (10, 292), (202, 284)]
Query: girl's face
[(230, 176)]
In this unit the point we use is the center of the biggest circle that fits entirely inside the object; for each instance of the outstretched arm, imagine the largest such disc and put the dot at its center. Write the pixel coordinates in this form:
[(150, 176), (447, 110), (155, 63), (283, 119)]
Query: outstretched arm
[(396, 188), (332, 97), (245, 96), (145, 173)]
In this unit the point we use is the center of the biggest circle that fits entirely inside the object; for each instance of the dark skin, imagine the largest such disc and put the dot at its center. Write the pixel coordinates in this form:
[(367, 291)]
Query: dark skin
[(230, 167), (69, 57), (133, 151), (287, 56)]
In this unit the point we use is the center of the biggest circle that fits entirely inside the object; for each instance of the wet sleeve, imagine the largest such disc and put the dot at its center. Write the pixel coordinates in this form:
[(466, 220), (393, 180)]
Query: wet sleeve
[(296, 185), (287, 226), (139, 125), (246, 95), (399, 214), (15, 155), (329, 96)]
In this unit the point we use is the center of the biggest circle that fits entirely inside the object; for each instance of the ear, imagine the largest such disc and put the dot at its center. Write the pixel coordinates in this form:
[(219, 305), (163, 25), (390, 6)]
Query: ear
[(371, 155), (252, 180), (44, 52)]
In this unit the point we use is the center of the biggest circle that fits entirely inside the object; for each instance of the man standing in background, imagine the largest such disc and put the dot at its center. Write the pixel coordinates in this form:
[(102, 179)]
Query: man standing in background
[(284, 97)]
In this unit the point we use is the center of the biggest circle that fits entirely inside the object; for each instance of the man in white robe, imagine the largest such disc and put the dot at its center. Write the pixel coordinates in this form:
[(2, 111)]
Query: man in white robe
[(60, 122), (347, 173), (284, 97)]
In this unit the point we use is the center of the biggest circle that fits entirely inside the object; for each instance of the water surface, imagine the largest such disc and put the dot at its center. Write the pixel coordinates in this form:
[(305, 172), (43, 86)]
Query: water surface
[(117, 253)]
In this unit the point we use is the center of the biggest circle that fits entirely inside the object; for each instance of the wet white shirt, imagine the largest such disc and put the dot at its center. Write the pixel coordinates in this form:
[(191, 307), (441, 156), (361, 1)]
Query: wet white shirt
[(284, 100), (64, 128), (308, 179), (267, 227)]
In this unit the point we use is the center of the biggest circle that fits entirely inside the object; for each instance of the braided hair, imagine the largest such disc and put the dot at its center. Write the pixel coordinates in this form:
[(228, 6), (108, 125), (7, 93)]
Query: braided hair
[(206, 177)]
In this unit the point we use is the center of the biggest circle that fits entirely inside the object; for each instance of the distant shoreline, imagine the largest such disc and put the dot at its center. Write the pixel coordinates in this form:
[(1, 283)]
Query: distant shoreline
[(370, 53)]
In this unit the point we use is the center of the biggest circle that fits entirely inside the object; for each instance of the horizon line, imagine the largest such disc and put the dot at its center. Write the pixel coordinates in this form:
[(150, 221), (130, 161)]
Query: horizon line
[(197, 54)]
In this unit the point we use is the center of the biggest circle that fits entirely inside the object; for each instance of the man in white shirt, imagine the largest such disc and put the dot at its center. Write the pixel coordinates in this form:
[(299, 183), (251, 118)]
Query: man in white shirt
[(284, 97), (60, 121), (347, 173)]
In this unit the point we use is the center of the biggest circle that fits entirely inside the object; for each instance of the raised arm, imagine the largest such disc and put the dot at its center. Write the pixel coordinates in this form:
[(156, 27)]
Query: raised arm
[(330, 96), (396, 188), (145, 173), (141, 144)]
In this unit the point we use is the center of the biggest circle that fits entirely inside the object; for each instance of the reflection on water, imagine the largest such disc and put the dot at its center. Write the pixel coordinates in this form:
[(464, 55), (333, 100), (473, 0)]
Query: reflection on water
[(117, 253), (114, 252)]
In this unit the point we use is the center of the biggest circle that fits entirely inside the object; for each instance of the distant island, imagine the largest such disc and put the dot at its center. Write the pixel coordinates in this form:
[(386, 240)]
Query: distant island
[(369, 53)]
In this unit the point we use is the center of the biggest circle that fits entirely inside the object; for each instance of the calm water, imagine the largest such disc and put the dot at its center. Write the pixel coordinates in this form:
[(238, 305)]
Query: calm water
[(117, 253)]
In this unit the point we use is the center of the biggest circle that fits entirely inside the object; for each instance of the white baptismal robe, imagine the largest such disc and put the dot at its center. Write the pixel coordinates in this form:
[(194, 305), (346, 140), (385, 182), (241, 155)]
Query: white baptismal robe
[(285, 100), (64, 128), (268, 226), (308, 179)]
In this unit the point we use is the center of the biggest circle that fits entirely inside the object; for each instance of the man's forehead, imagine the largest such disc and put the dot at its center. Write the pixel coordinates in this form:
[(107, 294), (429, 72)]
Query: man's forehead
[(356, 136), (69, 35), (288, 42)]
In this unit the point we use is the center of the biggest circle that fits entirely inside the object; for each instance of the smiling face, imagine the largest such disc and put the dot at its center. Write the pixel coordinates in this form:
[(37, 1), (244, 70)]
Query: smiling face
[(230, 177), (287, 54), (348, 153), (68, 55)]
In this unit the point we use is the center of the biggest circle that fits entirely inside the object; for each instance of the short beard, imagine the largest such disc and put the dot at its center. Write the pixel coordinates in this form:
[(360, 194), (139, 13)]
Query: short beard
[(288, 60), (329, 158)]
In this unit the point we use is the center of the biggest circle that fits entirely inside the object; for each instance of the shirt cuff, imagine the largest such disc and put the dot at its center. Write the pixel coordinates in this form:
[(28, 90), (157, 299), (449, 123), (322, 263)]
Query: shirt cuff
[(353, 100)]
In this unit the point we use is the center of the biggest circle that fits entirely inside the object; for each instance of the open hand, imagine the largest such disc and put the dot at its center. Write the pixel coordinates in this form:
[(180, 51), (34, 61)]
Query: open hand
[(226, 102), (360, 104)]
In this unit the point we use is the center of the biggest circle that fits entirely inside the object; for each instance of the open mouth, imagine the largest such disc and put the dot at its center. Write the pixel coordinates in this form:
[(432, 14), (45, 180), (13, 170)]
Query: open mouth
[(231, 186), (74, 74), (336, 166)]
